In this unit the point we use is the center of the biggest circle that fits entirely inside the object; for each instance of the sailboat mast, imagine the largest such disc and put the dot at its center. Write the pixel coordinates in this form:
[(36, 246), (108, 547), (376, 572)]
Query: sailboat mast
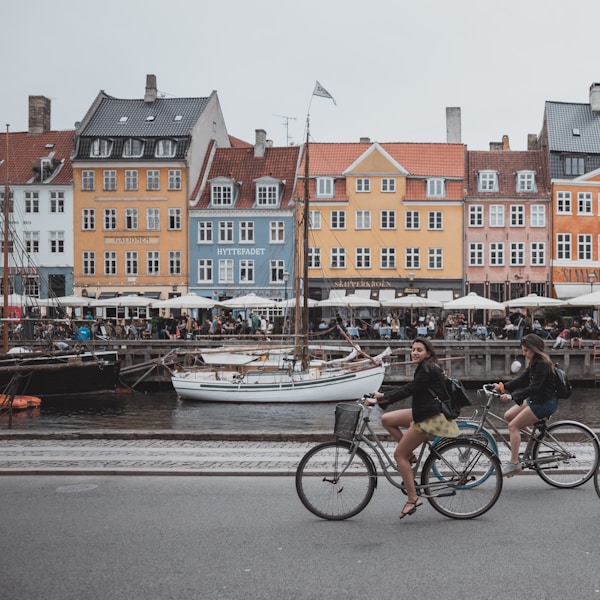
[(305, 220), (6, 214)]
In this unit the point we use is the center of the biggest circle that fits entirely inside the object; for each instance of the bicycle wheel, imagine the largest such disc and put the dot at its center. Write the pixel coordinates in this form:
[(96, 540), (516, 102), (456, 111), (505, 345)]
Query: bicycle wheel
[(462, 478), (597, 481), (567, 454), (468, 429), (335, 483)]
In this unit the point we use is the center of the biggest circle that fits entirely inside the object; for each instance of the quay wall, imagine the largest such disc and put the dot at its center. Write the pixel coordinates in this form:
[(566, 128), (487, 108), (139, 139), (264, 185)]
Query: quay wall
[(471, 360)]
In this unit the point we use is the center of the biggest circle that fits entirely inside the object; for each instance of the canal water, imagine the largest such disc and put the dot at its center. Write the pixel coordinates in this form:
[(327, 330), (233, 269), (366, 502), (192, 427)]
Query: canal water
[(163, 410)]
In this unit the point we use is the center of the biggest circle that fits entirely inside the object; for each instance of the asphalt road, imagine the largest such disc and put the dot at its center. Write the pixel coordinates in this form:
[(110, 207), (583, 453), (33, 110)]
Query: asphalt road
[(209, 538)]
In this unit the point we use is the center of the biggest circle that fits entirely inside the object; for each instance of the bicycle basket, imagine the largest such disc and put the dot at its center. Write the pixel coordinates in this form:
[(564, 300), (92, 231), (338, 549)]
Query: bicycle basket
[(346, 421)]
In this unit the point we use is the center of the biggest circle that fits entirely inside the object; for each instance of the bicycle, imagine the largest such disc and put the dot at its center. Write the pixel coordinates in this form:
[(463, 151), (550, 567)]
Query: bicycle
[(564, 454), (461, 478)]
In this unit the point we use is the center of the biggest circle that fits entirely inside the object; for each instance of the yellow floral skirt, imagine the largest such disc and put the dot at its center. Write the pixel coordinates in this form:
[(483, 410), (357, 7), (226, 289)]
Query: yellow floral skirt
[(437, 425)]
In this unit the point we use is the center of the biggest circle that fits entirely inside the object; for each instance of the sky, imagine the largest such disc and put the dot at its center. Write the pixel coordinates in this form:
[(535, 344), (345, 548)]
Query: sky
[(392, 66)]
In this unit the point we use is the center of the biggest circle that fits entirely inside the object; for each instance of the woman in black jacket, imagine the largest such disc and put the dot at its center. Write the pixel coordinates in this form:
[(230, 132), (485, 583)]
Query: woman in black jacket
[(421, 422), (534, 393)]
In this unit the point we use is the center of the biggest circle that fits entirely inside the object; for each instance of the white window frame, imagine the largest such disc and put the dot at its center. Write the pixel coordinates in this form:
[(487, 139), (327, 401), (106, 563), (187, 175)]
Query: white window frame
[(175, 262), (165, 148), (88, 219), (246, 232), (363, 185), (517, 215), (153, 262), (362, 219), (226, 232), (267, 194), (497, 254), (205, 232), (276, 232), (517, 254), (476, 215), (435, 259), (338, 219), (585, 203), (131, 180), (476, 254), (337, 258), (526, 182), (314, 219), (314, 258), (487, 181), (225, 267), (325, 187), (412, 258), (537, 254), (362, 258), (436, 187), (246, 271), (497, 215), (412, 220), (564, 246), (205, 270), (564, 204), (537, 216), (153, 219), (435, 220), (387, 219), (388, 185), (585, 250), (221, 194), (387, 258)]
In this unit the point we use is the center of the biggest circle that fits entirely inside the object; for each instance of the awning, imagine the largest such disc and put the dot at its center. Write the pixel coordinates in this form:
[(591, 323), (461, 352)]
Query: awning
[(106, 295), (440, 295), (155, 295), (385, 295), (363, 293), (565, 291), (337, 293)]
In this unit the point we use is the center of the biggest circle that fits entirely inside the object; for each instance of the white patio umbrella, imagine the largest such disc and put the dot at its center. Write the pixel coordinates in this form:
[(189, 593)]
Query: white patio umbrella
[(249, 301), (349, 301), (291, 302), (70, 301), (591, 299), (21, 300), (131, 301), (473, 301), (189, 301), (412, 301), (533, 301)]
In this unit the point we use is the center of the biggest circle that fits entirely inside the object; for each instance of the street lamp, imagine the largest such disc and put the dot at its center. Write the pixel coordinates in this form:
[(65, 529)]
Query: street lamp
[(592, 279)]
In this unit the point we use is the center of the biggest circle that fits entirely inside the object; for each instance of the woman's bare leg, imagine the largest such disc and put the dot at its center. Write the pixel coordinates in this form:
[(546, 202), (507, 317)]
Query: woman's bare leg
[(394, 420)]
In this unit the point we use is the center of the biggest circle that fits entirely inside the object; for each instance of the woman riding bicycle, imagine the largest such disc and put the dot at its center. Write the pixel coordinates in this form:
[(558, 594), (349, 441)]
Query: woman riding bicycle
[(423, 421), (534, 394)]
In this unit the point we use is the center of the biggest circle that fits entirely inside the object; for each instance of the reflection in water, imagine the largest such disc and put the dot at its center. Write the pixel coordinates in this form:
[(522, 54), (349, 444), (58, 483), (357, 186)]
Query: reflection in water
[(162, 410)]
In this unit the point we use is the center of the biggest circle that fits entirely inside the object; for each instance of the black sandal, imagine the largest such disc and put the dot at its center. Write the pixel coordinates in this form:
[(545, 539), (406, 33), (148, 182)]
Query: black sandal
[(413, 510)]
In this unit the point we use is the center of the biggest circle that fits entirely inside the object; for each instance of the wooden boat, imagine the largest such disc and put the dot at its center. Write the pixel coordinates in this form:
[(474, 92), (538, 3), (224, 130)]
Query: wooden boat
[(18, 402)]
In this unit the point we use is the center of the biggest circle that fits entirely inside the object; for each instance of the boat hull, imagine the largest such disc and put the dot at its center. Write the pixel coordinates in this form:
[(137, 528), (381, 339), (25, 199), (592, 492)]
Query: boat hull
[(279, 387)]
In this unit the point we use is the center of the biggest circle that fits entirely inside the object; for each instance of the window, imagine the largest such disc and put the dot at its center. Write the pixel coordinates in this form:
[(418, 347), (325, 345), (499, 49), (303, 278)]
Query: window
[(538, 254), (131, 180), (387, 219), (153, 219), (276, 270), (152, 180), (434, 220), (110, 180), (476, 215), (436, 188), (110, 263), (225, 232), (497, 254), (325, 187), (225, 270), (174, 179), (314, 219), (412, 258), (574, 165), (174, 219), (388, 184), (276, 232), (57, 202), (221, 195), (131, 218), (363, 184), (412, 219), (338, 219), (32, 242), (338, 258), (435, 256), (57, 241), (266, 195), (538, 215), (133, 148), (110, 219), (584, 247), (165, 149), (496, 215), (174, 262), (517, 254), (363, 219), (584, 203), (205, 270), (88, 263), (88, 219), (153, 262), (526, 181), (88, 181), (363, 258), (32, 202), (101, 148), (517, 215), (131, 262), (31, 286), (205, 232), (10, 243), (487, 181), (563, 246), (246, 271), (387, 258), (246, 232), (314, 258), (563, 203), (476, 254)]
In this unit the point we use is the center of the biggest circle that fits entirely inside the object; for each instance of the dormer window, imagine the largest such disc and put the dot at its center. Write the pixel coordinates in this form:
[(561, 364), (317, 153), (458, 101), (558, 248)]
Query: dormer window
[(101, 148), (165, 149), (436, 188), (267, 191), (325, 187), (133, 148), (526, 181), (221, 194), (487, 181)]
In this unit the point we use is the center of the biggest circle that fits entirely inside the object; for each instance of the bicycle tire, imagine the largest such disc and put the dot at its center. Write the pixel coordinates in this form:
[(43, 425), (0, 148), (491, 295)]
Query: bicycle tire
[(330, 486), (597, 481), (484, 436), (579, 441), (462, 478)]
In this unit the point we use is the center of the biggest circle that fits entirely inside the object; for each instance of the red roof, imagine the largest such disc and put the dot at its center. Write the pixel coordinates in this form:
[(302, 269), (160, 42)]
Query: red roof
[(25, 151)]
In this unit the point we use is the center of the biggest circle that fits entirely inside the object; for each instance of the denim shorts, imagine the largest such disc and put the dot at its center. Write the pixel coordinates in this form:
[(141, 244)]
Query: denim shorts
[(543, 409)]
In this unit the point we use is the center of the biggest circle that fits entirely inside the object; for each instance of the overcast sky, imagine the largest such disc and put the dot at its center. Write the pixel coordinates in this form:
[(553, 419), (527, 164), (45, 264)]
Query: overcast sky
[(393, 66)]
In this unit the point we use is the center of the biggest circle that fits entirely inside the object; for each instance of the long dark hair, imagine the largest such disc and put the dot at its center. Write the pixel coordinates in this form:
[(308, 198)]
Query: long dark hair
[(536, 344), (432, 359)]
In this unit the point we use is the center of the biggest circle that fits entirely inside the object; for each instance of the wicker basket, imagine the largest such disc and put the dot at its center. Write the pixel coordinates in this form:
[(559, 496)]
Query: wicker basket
[(346, 421)]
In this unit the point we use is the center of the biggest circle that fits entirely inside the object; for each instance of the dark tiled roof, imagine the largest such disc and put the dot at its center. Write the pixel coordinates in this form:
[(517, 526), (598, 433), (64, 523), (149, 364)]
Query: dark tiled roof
[(506, 163), (85, 145), (25, 151), (562, 118), (106, 120)]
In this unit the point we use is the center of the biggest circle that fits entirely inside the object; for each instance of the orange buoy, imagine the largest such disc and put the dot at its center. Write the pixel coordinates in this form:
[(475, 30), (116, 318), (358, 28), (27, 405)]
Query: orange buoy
[(19, 402)]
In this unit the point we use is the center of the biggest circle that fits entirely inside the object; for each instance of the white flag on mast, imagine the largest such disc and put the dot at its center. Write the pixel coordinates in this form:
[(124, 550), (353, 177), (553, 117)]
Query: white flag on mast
[(321, 91)]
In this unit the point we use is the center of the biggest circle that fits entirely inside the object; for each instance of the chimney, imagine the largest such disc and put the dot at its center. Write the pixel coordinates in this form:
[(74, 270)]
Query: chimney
[(453, 126), (39, 114), (595, 97), (150, 95), (365, 140), (505, 143), (260, 143), (532, 141)]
